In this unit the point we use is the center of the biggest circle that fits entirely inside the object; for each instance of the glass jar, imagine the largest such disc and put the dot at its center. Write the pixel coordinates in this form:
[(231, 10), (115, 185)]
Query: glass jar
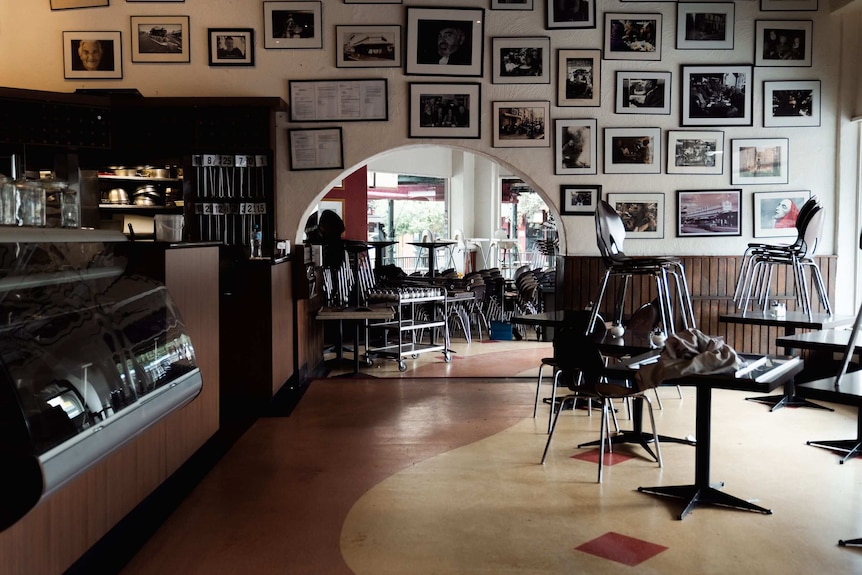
[(31, 206)]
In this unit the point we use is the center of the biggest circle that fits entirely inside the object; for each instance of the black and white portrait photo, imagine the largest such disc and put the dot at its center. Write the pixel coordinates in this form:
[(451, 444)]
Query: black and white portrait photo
[(643, 92), (445, 41), (717, 95), (445, 111), (579, 79), (92, 55)]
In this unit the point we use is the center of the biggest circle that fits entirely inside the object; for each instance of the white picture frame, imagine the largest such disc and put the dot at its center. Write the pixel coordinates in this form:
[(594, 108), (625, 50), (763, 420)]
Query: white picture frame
[(642, 214), (642, 92), (293, 25), (576, 147), (794, 103), (704, 26), (523, 60), (521, 124), (632, 150), (759, 161), (695, 152)]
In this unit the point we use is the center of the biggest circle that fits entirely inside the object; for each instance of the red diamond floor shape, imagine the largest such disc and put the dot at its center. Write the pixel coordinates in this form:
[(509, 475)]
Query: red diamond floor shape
[(621, 548), (610, 458)]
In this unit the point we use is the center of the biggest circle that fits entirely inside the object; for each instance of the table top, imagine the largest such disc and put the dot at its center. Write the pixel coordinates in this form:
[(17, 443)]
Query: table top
[(834, 340), (433, 244), (849, 391), (793, 319), (356, 313), (381, 243)]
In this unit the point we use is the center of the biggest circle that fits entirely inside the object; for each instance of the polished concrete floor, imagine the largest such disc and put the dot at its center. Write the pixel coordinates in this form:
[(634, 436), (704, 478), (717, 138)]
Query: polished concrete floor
[(424, 473)]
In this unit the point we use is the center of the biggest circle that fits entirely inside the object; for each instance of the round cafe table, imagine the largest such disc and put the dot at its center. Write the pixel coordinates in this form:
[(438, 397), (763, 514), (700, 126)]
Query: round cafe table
[(379, 246), (432, 250)]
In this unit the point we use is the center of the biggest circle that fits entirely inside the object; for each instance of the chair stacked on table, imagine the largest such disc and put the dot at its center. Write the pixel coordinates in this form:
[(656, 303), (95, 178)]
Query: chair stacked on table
[(610, 237), (756, 272)]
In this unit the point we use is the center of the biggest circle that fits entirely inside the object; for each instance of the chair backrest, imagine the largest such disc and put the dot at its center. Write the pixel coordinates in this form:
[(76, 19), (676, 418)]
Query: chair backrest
[(811, 233), (610, 231), (646, 317), (805, 213)]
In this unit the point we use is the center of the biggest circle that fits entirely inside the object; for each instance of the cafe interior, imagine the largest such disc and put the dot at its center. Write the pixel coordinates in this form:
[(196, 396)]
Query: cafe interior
[(228, 364)]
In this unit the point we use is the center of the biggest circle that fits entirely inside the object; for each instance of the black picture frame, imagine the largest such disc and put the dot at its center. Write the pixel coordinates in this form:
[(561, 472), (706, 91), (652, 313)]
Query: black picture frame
[(783, 43), (108, 53), (643, 92), (347, 100), (794, 103), (563, 14), (316, 149), (368, 46), (632, 36), (579, 199), (522, 60), (428, 121), (455, 35), (293, 25), (717, 95), (709, 213), (231, 46)]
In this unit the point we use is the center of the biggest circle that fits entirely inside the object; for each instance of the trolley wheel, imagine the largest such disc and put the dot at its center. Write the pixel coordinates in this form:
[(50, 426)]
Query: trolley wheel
[(414, 355), (447, 357), (369, 362), (402, 366)]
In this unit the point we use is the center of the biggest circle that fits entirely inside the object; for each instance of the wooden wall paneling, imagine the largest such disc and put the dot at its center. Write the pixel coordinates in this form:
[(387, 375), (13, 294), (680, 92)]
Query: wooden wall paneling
[(282, 326), (191, 276)]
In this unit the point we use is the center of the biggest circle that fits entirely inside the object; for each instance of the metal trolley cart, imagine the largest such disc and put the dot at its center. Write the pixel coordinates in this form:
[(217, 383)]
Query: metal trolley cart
[(416, 309)]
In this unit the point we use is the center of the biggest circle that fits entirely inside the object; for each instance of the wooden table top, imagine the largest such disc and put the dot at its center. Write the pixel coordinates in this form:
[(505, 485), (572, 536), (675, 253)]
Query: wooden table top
[(793, 319)]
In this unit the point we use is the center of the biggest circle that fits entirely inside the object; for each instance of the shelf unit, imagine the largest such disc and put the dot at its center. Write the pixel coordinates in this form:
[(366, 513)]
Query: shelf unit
[(416, 309)]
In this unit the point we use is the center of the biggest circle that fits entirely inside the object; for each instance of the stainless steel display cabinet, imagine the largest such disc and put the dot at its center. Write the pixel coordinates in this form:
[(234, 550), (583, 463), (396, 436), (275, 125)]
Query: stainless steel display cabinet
[(90, 356)]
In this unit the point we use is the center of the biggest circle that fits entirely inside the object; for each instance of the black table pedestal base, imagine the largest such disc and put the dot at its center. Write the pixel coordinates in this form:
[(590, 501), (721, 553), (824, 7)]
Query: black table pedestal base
[(695, 495), (851, 447), (851, 542), (779, 401)]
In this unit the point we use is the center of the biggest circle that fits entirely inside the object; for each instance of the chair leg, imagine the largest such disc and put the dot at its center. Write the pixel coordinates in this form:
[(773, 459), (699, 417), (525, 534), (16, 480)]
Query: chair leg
[(654, 432), (658, 398), (602, 439), (551, 420), (554, 427)]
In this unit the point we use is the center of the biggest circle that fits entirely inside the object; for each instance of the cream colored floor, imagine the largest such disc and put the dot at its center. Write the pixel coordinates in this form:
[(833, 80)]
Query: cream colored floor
[(422, 475)]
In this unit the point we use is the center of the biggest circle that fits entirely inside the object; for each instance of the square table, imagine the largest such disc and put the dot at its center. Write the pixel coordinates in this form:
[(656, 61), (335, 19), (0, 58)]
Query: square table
[(792, 321), (772, 373)]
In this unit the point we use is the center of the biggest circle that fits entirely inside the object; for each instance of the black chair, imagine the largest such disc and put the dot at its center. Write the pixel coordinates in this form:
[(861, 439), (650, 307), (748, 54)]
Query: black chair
[(610, 237), (582, 367), (747, 281), (760, 263)]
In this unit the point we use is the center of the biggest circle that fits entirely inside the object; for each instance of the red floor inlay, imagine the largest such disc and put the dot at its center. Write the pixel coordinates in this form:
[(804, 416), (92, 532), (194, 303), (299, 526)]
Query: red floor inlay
[(610, 458), (621, 548)]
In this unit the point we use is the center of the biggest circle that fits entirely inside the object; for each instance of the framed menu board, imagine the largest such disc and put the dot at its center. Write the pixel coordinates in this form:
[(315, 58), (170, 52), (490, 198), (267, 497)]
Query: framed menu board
[(339, 100)]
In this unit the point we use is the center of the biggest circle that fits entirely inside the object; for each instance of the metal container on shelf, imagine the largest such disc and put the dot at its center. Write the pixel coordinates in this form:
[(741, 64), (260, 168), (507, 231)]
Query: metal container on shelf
[(148, 195)]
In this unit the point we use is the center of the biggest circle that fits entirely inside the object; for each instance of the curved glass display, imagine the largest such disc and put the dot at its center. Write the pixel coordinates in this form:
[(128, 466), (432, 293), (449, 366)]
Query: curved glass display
[(89, 356)]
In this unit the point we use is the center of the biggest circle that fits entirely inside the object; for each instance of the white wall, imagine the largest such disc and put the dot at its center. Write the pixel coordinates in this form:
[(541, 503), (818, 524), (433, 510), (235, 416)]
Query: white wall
[(821, 159)]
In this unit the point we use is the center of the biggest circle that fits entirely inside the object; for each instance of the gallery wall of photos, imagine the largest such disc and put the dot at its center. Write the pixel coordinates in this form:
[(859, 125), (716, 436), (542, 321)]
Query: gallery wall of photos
[(442, 52)]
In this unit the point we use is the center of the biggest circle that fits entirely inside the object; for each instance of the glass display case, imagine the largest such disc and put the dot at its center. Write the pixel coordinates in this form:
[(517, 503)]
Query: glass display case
[(90, 356)]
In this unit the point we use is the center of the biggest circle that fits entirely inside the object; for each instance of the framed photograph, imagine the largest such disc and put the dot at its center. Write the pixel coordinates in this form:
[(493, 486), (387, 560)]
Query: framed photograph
[(643, 93), (368, 46), (155, 0), (579, 200), (231, 46), (69, 4), (642, 214), (759, 161), (569, 14), (791, 104), (632, 150), (92, 55), (445, 41), (782, 42), (579, 77), (704, 26), (511, 4), (292, 25), (632, 36), (690, 152), (160, 39), (788, 5), (445, 110), (708, 212), (717, 95), (316, 149), (335, 205), (521, 124), (775, 213), (338, 100), (576, 150), (521, 60), (372, 1)]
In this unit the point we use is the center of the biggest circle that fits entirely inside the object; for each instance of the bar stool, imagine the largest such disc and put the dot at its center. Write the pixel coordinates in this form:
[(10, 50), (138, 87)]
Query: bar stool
[(610, 236)]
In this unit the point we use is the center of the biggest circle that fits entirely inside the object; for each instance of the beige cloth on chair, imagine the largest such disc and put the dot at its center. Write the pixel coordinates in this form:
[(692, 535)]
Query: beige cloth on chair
[(689, 352)]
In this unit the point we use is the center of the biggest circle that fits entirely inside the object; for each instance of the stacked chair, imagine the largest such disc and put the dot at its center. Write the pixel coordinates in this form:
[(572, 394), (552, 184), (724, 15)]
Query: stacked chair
[(754, 281), (610, 236)]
